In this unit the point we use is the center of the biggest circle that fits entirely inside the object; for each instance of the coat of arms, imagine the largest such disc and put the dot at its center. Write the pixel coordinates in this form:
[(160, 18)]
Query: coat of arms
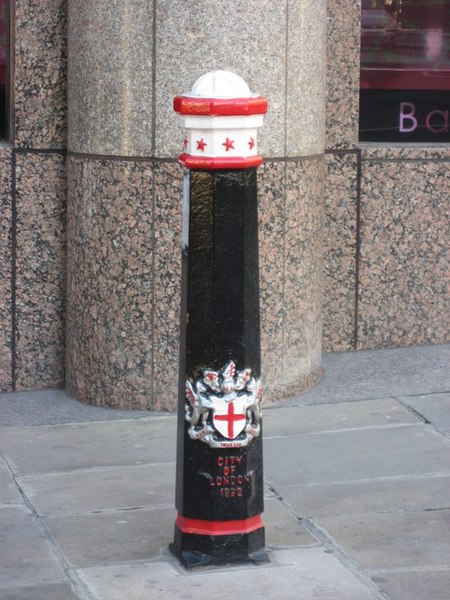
[(224, 407)]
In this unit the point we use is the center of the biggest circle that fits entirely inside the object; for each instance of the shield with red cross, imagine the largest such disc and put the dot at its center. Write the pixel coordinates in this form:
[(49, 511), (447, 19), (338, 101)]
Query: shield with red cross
[(230, 418)]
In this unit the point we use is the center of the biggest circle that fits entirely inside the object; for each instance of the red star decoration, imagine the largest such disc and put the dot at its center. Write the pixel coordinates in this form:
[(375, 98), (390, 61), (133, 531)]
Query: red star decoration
[(201, 145), (251, 143), (228, 144), (186, 143)]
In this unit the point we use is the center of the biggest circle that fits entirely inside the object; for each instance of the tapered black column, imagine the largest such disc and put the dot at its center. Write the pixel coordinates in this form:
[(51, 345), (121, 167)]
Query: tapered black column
[(223, 293), (219, 491)]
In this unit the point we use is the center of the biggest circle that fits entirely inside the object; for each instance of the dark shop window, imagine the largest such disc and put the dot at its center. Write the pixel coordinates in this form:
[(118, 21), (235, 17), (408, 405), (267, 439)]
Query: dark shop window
[(405, 71), (4, 68)]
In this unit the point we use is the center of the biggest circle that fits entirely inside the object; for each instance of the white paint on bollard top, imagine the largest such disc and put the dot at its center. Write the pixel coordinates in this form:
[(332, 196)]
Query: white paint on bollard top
[(221, 118)]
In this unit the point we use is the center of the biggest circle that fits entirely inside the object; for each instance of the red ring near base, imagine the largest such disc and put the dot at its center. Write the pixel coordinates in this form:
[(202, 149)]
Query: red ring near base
[(202, 527)]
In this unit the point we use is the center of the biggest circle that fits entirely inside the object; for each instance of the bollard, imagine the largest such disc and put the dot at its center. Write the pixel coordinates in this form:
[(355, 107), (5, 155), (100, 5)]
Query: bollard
[(219, 488)]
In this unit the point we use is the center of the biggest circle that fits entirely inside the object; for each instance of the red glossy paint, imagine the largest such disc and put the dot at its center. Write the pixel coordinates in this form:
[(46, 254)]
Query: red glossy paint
[(225, 107), (209, 163), (202, 527)]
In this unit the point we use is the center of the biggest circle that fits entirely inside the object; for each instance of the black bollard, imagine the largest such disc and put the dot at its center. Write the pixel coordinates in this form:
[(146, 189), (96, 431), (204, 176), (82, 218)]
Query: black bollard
[(219, 489)]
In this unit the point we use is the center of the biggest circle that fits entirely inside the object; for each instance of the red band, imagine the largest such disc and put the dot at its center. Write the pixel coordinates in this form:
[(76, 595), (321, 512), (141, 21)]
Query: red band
[(210, 163), (226, 107), (201, 527)]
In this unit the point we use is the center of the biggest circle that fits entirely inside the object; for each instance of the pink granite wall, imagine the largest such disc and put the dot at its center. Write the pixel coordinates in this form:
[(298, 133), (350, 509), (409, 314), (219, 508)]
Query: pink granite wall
[(340, 247), (111, 250), (40, 74), (290, 233), (6, 246), (124, 229), (32, 203), (385, 220), (40, 270), (403, 295), (123, 137), (342, 178)]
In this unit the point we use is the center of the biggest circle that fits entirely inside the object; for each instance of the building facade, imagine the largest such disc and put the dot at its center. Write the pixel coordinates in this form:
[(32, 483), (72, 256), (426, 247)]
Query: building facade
[(353, 231)]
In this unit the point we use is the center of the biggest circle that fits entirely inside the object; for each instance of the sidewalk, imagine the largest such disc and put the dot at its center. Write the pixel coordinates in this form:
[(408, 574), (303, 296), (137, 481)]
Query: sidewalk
[(357, 500)]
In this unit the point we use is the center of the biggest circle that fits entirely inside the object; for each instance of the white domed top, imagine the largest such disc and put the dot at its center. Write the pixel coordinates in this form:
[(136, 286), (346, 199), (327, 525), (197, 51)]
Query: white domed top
[(220, 84)]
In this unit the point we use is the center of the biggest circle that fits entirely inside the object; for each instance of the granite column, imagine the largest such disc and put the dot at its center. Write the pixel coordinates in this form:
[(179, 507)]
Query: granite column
[(124, 209)]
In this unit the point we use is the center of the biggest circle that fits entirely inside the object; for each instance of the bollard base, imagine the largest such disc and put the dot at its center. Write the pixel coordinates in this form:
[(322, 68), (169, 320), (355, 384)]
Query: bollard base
[(195, 550)]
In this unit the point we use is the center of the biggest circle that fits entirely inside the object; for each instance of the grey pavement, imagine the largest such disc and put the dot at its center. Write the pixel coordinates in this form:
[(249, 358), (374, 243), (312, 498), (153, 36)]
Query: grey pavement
[(357, 492)]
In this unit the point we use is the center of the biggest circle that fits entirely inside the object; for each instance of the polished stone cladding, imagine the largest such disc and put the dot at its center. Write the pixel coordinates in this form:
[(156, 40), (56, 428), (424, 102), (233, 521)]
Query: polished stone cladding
[(340, 250), (385, 222), (124, 227), (342, 73), (40, 265), (386, 263), (110, 282), (5, 270), (40, 73), (124, 267), (127, 60), (403, 273), (32, 269), (32, 201), (110, 73), (290, 231), (126, 63), (382, 206)]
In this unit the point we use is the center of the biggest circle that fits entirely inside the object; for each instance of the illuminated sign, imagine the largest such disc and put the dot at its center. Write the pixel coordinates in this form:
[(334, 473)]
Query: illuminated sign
[(405, 71)]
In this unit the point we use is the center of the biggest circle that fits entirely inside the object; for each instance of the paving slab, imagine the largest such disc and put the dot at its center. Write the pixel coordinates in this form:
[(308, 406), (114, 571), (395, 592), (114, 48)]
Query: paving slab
[(413, 450), (111, 537), (392, 540), (368, 374), (435, 408), (368, 475), (414, 585), (66, 447), (26, 558), (88, 490), (288, 420), (309, 574), (56, 591), (439, 355), (8, 489), (54, 406), (282, 528), (392, 495)]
